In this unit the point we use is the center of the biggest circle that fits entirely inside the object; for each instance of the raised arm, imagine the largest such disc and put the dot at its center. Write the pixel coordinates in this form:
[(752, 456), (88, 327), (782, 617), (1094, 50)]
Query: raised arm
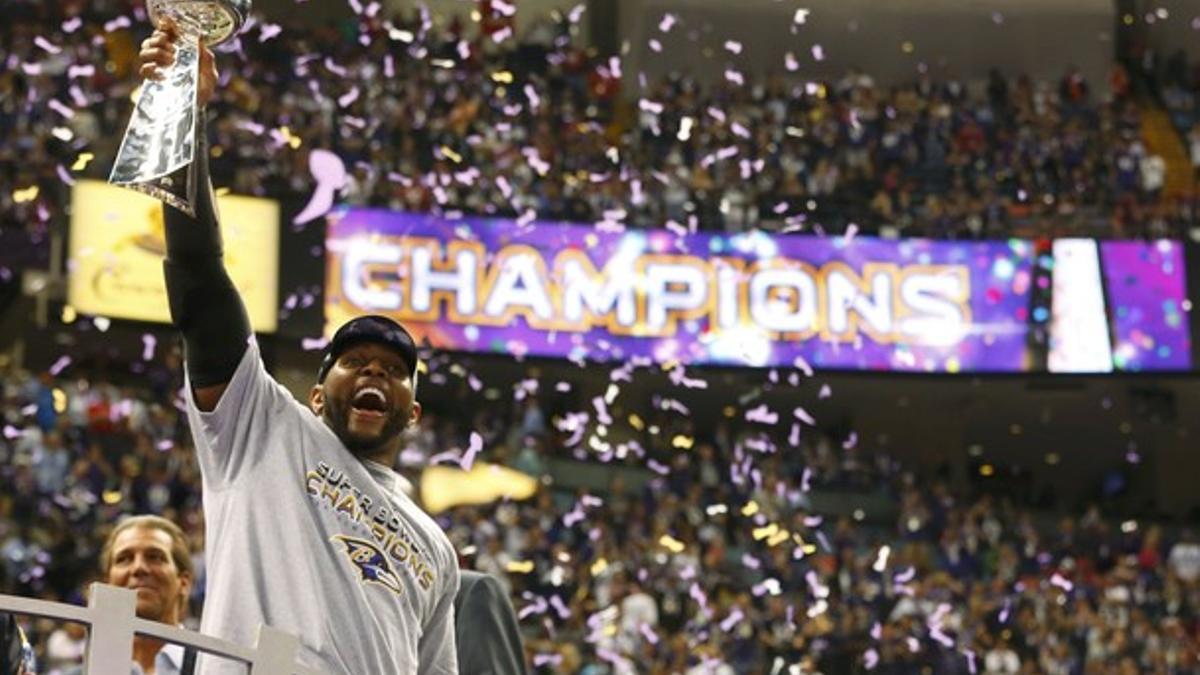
[(205, 305)]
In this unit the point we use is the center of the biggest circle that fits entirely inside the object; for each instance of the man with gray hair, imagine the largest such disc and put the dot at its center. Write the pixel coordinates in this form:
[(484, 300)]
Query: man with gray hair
[(149, 555)]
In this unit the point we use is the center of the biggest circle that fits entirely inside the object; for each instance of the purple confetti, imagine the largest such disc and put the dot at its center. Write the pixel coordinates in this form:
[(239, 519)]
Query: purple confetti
[(762, 415), (117, 23), (268, 31), (732, 620), (313, 344), (330, 173), (47, 45), (473, 449), (802, 415), (60, 365), (1059, 581)]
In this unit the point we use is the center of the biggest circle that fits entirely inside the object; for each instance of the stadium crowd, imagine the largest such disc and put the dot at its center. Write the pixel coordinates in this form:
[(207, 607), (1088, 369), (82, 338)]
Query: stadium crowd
[(448, 117), (714, 560), (717, 560)]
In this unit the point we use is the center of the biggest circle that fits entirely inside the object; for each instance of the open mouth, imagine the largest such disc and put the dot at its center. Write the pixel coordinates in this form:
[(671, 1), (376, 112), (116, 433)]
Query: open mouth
[(369, 402)]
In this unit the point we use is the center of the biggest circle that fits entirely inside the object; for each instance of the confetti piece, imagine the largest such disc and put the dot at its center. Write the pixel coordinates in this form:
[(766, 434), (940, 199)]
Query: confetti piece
[(519, 567), (671, 544), (148, 344), (330, 173), (468, 460), (269, 31), (117, 24), (732, 620), (60, 365), (46, 45), (882, 559), (348, 98), (762, 415), (1057, 580), (802, 415)]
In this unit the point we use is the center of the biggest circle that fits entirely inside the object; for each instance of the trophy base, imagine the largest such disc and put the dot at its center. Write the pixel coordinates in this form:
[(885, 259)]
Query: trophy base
[(165, 195)]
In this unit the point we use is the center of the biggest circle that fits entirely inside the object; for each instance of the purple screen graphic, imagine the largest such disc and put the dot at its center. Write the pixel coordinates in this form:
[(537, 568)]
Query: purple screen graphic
[(574, 291), (1147, 305)]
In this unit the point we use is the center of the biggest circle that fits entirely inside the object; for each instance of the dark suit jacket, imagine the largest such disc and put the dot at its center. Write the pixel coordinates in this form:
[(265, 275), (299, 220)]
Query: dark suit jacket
[(485, 627), (16, 657)]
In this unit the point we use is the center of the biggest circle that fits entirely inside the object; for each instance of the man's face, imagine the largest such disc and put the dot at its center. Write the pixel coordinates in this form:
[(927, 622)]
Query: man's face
[(367, 397), (142, 560)]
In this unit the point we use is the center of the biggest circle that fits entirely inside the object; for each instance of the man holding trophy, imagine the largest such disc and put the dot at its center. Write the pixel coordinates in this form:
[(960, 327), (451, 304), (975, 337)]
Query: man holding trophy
[(308, 528)]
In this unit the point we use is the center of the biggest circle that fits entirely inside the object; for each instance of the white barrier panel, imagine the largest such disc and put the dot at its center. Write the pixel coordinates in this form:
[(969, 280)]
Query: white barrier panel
[(112, 622)]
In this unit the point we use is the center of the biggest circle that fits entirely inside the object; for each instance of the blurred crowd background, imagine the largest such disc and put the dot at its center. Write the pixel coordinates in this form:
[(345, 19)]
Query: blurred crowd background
[(716, 555), (449, 131), (719, 561)]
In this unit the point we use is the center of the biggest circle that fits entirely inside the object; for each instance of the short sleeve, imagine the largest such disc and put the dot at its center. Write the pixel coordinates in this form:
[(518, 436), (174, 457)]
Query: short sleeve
[(232, 438)]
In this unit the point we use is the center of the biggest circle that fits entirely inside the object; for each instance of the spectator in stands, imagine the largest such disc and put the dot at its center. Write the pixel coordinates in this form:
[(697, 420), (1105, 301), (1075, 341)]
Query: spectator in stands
[(1184, 559), (66, 647), (927, 156), (1193, 139), (150, 554)]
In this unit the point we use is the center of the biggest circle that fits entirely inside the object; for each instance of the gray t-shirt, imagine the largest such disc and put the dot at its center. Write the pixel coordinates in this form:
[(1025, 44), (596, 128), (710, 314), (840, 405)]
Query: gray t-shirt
[(305, 537)]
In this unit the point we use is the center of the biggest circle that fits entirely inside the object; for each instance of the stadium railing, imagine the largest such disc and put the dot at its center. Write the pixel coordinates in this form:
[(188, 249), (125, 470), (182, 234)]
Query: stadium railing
[(112, 624)]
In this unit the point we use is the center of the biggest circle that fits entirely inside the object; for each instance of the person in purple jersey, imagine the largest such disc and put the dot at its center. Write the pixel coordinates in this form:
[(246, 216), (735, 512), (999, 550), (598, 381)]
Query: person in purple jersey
[(308, 528)]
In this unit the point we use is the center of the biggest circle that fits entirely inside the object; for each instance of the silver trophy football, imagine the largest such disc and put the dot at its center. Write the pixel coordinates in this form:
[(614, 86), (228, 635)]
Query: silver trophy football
[(162, 134)]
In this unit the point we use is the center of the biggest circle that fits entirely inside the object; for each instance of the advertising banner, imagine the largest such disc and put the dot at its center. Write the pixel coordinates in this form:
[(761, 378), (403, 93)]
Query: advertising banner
[(1148, 305), (579, 292), (117, 247)]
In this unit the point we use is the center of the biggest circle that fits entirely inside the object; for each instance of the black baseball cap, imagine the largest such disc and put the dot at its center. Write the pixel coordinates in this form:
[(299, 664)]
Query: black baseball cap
[(370, 328)]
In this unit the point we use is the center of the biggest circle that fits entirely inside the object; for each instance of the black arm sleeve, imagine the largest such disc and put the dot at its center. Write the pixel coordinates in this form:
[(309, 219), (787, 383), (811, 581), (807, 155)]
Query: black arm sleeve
[(205, 305)]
